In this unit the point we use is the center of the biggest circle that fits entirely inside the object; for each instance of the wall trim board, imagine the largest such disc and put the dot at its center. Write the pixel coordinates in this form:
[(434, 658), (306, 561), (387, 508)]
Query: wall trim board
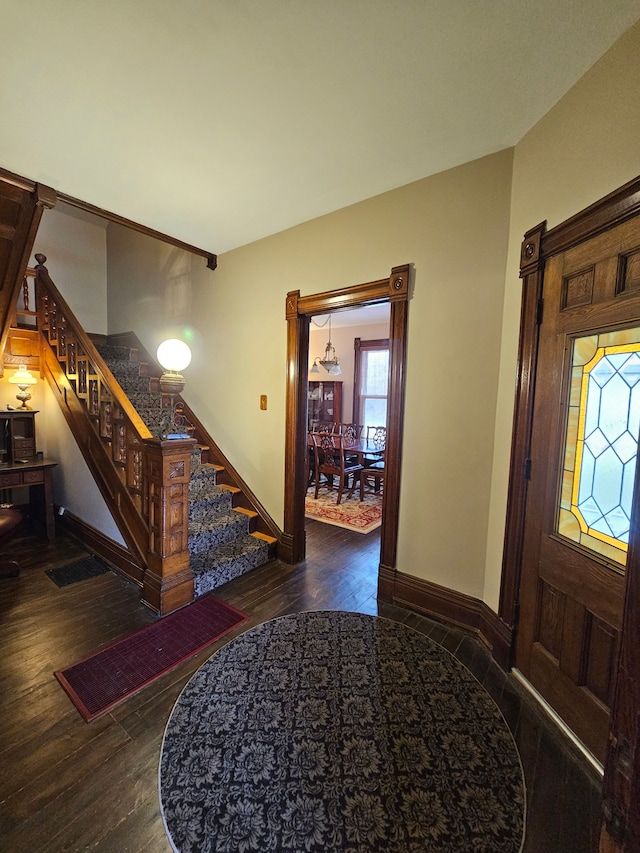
[(112, 552), (451, 607)]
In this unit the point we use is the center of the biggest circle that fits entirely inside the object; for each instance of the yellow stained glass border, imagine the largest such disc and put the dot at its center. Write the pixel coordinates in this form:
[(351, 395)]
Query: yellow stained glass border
[(587, 353)]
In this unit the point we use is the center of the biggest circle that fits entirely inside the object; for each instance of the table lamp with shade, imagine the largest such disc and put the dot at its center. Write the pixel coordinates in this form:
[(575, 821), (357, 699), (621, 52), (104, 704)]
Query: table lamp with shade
[(23, 378)]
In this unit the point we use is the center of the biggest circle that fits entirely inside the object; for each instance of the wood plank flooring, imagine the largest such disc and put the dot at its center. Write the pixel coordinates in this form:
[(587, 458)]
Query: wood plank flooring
[(66, 785)]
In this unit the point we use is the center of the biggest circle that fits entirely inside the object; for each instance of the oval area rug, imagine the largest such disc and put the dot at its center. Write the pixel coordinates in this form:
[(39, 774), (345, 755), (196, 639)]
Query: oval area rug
[(337, 731)]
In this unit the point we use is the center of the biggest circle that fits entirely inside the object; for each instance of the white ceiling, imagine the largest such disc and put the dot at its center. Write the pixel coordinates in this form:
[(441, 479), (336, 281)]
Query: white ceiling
[(371, 315), (222, 121)]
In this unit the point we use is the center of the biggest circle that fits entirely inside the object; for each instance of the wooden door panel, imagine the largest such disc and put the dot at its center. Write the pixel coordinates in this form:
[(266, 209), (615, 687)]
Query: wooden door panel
[(593, 584), (629, 272), (571, 657), (568, 699), (601, 656), (583, 646)]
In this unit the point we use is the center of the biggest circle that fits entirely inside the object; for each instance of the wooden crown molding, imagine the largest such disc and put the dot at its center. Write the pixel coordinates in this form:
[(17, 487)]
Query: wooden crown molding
[(47, 197)]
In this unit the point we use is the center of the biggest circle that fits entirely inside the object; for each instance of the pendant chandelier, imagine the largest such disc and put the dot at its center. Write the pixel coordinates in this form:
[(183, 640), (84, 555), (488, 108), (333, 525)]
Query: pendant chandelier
[(330, 360)]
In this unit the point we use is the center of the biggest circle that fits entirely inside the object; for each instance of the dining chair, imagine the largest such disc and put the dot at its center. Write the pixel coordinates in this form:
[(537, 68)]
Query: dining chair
[(373, 472), (324, 426), (331, 460), (377, 434), (353, 431)]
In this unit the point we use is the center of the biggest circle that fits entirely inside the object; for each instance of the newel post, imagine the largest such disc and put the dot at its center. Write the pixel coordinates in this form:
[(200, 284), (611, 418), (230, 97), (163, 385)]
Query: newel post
[(168, 580)]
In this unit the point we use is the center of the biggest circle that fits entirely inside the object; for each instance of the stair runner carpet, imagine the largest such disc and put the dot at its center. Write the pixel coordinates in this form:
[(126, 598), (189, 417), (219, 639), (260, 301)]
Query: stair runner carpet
[(220, 544)]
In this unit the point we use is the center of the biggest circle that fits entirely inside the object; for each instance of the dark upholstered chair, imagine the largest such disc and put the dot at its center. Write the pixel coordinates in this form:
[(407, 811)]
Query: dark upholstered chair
[(9, 522)]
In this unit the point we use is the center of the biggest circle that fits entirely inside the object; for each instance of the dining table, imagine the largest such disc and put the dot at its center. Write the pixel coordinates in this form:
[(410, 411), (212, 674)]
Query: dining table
[(359, 447)]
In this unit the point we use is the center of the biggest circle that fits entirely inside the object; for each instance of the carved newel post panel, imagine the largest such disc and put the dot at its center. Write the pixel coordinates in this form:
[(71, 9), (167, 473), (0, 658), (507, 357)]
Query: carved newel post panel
[(168, 580)]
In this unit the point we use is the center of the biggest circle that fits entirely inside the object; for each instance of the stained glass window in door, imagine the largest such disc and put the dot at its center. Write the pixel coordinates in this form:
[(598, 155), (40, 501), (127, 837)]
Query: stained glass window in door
[(601, 443)]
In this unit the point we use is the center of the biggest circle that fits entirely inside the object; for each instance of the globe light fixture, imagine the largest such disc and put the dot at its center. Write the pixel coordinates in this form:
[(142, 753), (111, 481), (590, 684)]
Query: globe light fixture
[(174, 356)]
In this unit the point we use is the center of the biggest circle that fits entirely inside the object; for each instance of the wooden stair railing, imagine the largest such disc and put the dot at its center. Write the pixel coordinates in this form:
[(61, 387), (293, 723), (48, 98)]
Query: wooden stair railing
[(212, 454), (143, 480)]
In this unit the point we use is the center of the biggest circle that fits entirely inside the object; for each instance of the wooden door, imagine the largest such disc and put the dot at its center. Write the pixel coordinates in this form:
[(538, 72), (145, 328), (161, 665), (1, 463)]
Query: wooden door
[(582, 466)]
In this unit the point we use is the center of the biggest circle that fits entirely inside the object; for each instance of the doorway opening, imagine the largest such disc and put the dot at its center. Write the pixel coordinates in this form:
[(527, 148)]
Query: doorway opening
[(346, 399), (299, 310)]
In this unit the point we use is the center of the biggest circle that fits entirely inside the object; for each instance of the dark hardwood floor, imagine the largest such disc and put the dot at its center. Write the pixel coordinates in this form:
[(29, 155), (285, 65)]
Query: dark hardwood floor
[(67, 785)]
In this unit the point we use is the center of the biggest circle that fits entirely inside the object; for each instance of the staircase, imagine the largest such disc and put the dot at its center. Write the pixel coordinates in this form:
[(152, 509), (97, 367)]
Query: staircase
[(222, 542)]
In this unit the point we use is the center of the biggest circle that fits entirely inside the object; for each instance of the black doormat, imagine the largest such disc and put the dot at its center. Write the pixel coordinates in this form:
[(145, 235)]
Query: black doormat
[(80, 570)]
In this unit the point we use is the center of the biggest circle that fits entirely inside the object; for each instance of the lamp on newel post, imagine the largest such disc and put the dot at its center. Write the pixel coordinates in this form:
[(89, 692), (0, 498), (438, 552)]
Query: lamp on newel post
[(174, 356)]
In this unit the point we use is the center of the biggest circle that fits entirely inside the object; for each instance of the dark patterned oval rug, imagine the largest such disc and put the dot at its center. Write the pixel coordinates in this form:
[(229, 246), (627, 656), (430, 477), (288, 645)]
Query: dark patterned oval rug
[(333, 731)]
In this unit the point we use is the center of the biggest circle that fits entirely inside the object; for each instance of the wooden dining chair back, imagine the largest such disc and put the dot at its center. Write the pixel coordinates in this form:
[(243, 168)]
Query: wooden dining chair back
[(373, 463), (352, 432), (331, 461), (324, 426), (377, 435)]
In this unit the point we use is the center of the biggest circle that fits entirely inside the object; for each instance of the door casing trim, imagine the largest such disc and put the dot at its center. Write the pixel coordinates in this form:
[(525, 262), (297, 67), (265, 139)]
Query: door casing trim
[(298, 310)]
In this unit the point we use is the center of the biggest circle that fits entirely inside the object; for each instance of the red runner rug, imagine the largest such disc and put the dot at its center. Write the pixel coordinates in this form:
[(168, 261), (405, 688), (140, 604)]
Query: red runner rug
[(101, 681)]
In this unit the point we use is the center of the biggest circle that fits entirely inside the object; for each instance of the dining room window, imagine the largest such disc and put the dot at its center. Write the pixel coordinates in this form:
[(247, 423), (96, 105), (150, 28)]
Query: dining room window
[(370, 382)]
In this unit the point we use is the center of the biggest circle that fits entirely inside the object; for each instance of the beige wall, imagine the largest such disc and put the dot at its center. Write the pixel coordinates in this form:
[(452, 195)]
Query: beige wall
[(150, 287), (73, 486), (76, 251), (584, 148), (453, 229)]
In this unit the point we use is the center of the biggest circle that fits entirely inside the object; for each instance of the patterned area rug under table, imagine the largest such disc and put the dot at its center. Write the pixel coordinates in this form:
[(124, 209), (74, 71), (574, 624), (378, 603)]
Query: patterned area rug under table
[(336, 731), (351, 513)]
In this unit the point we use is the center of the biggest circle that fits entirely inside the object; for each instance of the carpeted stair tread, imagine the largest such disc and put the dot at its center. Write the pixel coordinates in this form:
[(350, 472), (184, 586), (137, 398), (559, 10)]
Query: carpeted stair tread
[(216, 529), (208, 503), (138, 385), (112, 352), (229, 561), (204, 488), (203, 471)]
